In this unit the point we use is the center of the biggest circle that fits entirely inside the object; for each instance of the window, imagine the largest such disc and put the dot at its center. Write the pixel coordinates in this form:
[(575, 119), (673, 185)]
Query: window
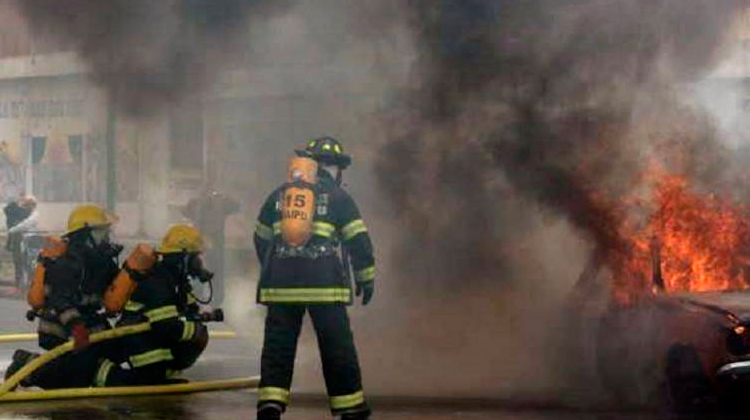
[(56, 168)]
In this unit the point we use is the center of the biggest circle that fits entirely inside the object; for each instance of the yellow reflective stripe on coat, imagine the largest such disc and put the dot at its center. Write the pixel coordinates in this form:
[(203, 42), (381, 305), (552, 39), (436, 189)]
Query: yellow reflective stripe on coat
[(133, 306), (263, 231), (353, 229), (151, 357), (323, 229), (188, 329), (103, 372), (306, 294), (277, 228), (365, 274), (270, 393), (343, 402), (160, 314)]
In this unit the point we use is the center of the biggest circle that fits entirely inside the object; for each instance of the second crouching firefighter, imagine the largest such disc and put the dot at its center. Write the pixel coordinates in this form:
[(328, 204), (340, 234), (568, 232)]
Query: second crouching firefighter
[(298, 235), (158, 290)]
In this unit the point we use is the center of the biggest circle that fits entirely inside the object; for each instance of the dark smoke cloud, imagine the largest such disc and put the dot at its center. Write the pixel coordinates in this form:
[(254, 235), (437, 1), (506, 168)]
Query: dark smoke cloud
[(564, 102), (149, 53)]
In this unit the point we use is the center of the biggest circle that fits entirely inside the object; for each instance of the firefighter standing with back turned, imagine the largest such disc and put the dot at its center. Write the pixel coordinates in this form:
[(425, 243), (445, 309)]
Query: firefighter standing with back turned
[(297, 238)]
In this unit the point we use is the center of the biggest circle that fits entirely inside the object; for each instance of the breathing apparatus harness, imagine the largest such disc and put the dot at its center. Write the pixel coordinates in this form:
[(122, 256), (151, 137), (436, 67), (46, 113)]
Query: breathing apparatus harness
[(105, 249), (325, 151)]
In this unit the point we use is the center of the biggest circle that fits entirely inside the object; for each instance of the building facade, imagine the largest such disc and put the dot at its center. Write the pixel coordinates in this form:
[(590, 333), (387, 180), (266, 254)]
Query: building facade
[(61, 139)]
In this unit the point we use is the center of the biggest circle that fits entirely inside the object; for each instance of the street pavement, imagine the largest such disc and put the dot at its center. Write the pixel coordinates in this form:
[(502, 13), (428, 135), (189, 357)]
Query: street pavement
[(240, 357)]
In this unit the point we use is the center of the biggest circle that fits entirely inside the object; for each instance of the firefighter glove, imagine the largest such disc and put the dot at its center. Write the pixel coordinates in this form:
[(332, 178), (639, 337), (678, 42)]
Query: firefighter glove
[(80, 336), (366, 289)]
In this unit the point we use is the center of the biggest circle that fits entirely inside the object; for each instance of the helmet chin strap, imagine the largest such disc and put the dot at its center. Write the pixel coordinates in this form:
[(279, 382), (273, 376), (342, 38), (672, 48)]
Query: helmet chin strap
[(339, 176), (336, 172)]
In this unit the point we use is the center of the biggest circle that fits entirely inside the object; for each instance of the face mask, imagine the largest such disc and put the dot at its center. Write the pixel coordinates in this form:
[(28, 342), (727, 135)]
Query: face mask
[(100, 236), (195, 269), (103, 243)]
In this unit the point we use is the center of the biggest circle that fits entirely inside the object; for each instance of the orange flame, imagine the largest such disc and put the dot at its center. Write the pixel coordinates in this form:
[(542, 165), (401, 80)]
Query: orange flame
[(702, 240)]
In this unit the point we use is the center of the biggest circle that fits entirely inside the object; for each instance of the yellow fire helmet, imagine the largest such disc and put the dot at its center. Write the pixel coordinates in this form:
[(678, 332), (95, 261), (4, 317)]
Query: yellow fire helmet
[(182, 237), (89, 216)]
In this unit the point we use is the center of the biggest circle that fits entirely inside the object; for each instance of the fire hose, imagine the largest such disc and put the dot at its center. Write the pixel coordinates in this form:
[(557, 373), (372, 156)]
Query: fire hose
[(190, 387), (7, 386)]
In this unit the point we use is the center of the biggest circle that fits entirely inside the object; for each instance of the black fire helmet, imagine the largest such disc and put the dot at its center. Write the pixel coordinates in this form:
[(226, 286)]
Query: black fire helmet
[(326, 151)]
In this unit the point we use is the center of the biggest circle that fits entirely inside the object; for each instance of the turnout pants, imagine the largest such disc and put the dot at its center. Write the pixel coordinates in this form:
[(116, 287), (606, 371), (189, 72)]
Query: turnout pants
[(147, 364), (337, 352), (153, 357), (149, 360), (74, 369)]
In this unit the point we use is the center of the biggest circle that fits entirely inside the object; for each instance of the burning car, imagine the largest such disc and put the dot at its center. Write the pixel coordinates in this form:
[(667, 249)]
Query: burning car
[(683, 348), (676, 323)]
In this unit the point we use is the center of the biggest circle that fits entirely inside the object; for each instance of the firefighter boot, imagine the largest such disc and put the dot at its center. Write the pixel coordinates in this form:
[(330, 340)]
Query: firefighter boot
[(363, 414), (269, 411), (20, 359)]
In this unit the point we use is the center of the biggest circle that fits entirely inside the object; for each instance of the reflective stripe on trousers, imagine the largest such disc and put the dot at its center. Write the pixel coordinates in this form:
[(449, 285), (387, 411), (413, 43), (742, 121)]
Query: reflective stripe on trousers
[(270, 393), (103, 372), (151, 357), (344, 402)]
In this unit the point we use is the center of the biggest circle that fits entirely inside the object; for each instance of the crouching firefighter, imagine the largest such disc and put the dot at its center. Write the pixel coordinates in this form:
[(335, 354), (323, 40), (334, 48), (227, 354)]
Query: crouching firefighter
[(157, 290), (297, 238), (71, 277)]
